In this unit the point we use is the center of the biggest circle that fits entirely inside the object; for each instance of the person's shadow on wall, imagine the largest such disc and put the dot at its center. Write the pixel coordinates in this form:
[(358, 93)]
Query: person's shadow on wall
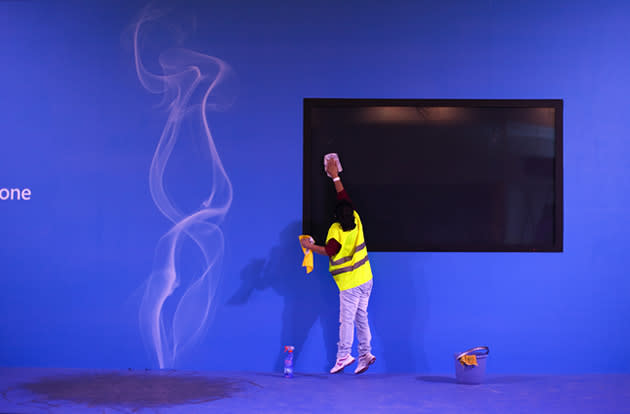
[(307, 298)]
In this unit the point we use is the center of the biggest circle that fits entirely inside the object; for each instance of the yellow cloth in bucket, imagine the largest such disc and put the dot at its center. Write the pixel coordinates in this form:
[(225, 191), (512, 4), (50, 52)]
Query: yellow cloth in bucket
[(308, 255), (468, 360)]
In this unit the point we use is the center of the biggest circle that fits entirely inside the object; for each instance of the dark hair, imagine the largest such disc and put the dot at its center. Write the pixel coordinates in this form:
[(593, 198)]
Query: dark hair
[(344, 214)]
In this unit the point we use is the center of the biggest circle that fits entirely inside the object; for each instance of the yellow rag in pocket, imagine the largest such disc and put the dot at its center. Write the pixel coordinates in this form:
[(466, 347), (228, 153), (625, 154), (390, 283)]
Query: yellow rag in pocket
[(308, 255), (468, 360)]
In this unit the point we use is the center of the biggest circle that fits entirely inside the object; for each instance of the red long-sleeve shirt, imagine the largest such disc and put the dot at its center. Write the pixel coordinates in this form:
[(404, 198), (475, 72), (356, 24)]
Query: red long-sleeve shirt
[(333, 246)]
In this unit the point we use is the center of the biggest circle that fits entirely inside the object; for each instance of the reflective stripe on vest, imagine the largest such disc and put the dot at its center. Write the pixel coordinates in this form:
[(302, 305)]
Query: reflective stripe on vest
[(347, 258), (350, 268)]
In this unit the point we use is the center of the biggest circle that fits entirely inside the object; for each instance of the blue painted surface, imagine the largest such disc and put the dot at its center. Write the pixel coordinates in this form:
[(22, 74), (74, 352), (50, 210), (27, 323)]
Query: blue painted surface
[(80, 131), (97, 391)]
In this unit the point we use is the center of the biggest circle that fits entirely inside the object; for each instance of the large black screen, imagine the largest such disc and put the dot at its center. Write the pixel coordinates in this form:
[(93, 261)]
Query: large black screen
[(439, 175)]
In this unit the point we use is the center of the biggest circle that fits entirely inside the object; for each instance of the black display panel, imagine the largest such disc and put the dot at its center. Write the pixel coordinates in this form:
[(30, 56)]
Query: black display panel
[(439, 175)]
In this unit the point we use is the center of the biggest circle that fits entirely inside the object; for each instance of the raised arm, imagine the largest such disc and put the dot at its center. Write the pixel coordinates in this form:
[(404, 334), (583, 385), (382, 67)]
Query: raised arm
[(331, 168), (333, 246)]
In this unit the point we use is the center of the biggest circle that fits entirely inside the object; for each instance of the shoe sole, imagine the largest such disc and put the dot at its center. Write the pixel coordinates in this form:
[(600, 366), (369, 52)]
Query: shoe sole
[(366, 367), (342, 368)]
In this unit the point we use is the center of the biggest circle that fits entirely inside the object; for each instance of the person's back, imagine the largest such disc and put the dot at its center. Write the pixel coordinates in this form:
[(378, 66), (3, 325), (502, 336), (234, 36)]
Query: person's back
[(350, 267)]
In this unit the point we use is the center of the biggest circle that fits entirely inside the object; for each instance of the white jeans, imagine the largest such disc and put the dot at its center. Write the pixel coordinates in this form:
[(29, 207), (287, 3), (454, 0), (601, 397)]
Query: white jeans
[(353, 305)]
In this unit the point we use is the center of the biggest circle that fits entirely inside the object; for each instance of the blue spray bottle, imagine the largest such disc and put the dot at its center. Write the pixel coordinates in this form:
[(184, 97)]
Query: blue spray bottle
[(288, 362)]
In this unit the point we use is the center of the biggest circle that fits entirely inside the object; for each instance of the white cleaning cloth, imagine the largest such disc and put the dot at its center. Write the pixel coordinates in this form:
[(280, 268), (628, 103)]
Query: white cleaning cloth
[(335, 157)]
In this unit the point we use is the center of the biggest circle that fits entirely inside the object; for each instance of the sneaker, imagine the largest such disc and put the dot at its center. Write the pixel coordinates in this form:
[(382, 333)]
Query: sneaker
[(342, 363), (364, 363)]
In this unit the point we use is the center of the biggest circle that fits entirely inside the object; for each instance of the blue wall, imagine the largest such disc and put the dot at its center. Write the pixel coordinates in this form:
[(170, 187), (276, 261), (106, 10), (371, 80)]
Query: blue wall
[(80, 131)]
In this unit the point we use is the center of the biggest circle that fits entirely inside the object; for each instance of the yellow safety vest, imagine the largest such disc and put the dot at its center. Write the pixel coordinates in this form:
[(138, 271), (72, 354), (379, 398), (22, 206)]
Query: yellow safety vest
[(350, 266)]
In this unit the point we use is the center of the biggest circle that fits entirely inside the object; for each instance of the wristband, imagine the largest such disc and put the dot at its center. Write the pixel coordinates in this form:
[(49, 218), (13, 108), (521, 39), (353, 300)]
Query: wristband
[(336, 178)]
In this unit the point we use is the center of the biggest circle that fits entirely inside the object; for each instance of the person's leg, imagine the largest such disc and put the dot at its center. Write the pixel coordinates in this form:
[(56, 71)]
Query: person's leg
[(348, 303), (364, 336)]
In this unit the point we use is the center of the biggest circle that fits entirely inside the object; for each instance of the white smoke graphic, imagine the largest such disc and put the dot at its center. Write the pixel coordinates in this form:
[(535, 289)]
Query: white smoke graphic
[(188, 83)]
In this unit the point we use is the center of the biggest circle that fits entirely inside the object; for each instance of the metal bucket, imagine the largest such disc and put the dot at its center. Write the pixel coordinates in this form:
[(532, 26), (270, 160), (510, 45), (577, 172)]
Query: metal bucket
[(471, 374)]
